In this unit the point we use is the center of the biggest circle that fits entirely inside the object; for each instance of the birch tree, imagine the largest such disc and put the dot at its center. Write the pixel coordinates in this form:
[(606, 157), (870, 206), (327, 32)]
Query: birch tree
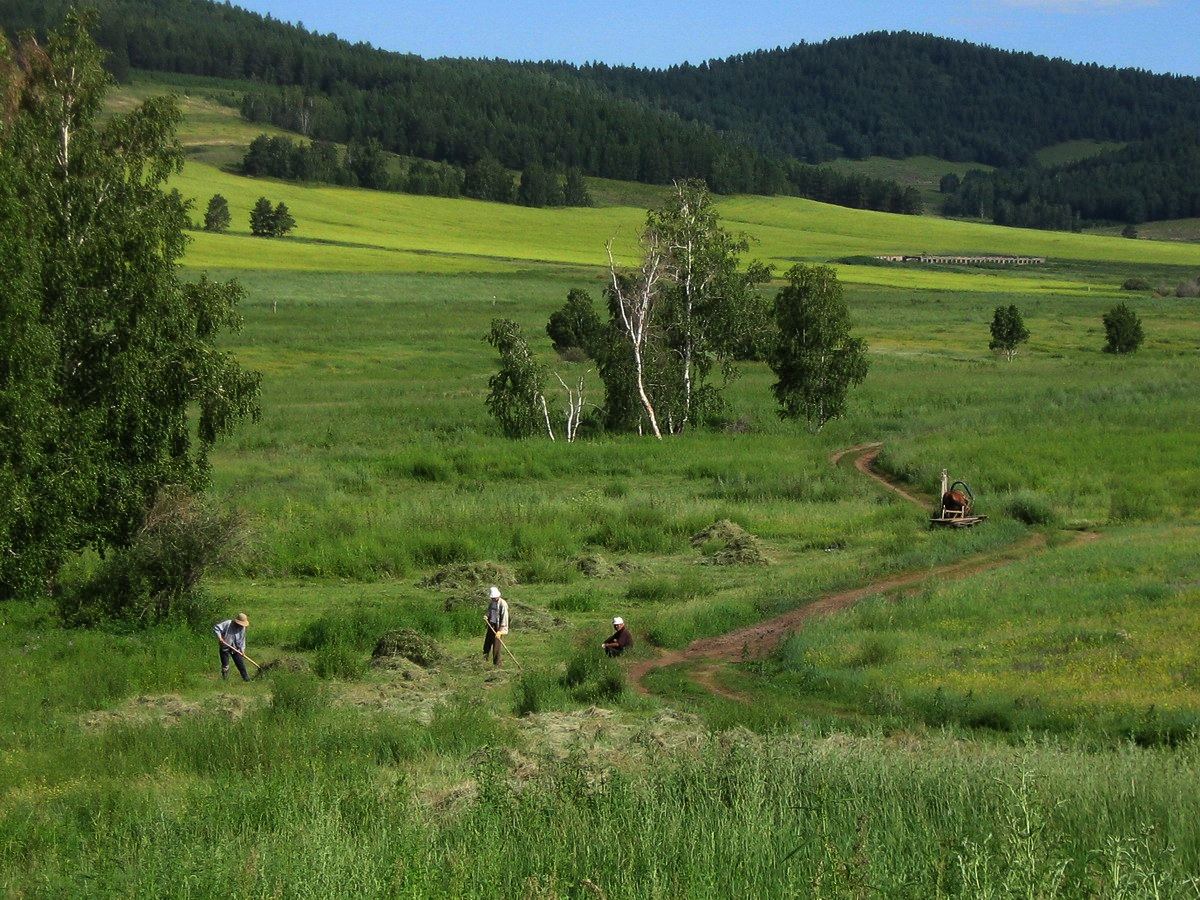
[(705, 309), (635, 301)]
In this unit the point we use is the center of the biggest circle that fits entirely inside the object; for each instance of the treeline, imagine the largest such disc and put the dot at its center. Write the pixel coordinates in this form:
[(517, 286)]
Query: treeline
[(452, 111), (1146, 181), (904, 94), (365, 164)]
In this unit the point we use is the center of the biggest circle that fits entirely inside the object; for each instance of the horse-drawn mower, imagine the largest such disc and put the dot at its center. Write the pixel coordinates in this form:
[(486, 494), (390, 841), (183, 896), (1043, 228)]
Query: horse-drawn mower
[(957, 506)]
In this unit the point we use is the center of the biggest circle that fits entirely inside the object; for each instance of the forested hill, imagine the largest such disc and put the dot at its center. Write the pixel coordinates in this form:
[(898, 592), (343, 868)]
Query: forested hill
[(903, 94), (455, 111)]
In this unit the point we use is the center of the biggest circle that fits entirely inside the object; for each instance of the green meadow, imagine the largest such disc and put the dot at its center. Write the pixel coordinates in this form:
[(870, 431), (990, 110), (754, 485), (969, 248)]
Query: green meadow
[(1028, 730)]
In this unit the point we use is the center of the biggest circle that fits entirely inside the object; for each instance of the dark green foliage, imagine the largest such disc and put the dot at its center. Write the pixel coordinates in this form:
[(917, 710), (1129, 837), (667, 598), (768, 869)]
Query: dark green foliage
[(1129, 231), (576, 325), (115, 353), (157, 577), (453, 111), (539, 187), (281, 157), (366, 162), (1135, 284), (271, 221), (217, 217), (1122, 330), (516, 394), (816, 360), (901, 94), (949, 183), (282, 222), (1008, 331), (575, 189), (487, 179), (1145, 181), (262, 218)]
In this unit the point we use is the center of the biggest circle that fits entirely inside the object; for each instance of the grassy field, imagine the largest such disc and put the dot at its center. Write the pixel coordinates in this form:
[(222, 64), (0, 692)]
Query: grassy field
[(1024, 731), (922, 172)]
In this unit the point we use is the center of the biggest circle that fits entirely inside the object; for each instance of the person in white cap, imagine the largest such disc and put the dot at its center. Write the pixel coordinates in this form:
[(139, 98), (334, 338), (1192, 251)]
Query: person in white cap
[(621, 640), (497, 625)]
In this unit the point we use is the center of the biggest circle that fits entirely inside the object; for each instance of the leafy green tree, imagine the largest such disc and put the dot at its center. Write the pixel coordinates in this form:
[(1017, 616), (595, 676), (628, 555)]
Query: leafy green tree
[(517, 392), (816, 360), (949, 183), (575, 324), (1122, 330), (487, 179), (538, 187), (282, 223), (262, 218), (367, 161), (1008, 331), (217, 217), (117, 355)]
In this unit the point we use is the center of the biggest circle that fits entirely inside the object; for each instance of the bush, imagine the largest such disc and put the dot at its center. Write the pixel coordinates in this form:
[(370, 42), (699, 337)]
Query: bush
[(1188, 289), (1031, 508), (158, 576), (1122, 330), (296, 694), (339, 661), (1135, 284)]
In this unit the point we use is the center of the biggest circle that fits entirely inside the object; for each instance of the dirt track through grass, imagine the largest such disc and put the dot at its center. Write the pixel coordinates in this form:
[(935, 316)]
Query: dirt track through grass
[(707, 655)]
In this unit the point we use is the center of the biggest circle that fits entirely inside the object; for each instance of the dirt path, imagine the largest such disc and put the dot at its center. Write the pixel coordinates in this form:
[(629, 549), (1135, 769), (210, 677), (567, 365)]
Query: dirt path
[(756, 641)]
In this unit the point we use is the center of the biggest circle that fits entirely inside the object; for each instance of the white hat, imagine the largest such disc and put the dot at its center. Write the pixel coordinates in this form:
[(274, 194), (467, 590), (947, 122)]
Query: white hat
[(618, 621), (495, 593)]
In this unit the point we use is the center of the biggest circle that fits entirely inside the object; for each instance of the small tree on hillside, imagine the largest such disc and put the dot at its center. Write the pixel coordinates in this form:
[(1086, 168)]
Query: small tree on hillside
[(217, 217), (816, 360), (1008, 331), (262, 218), (950, 183), (1122, 329), (575, 324), (575, 189), (517, 393), (282, 223), (1130, 231)]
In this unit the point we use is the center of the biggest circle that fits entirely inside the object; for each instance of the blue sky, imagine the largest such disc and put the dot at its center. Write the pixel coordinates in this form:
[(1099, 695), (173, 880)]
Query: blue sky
[(1161, 35)]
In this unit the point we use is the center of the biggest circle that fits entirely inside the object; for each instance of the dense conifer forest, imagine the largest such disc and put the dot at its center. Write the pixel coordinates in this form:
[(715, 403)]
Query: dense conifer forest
[(754, 123), (903, 94), (1146, 181)]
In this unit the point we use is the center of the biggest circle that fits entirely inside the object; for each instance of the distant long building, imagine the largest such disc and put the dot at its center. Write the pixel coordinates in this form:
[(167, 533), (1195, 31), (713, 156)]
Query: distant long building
[(968, 260)]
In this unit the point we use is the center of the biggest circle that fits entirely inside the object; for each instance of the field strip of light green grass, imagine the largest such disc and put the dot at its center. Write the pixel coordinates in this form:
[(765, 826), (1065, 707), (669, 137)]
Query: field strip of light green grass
[(343, 229)]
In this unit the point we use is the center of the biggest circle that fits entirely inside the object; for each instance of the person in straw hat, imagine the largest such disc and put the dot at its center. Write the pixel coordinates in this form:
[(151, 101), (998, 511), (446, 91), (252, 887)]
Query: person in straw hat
[(231, 635), (497, 625)]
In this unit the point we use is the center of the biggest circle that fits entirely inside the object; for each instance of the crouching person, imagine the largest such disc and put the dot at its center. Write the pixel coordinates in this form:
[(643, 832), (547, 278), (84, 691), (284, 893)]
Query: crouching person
[(497, 626), (621, 640), (231, 635)]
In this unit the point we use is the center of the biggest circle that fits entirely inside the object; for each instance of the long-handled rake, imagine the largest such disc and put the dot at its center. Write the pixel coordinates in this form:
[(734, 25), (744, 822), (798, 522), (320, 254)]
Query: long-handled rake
[(240, 653), (496, 635)]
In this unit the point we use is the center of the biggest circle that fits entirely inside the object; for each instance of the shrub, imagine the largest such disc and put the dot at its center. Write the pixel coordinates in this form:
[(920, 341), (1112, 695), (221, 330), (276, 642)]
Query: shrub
[(296, 694), (1122, 330), (1188, 289), (339, 661), (1135, 284), (158, 576)]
